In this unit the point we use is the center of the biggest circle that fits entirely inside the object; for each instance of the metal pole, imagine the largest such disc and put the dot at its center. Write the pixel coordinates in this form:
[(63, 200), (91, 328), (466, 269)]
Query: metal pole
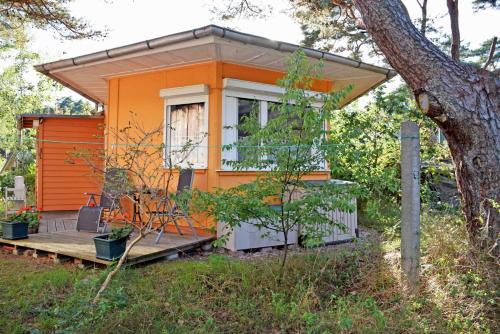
[(410, 202)]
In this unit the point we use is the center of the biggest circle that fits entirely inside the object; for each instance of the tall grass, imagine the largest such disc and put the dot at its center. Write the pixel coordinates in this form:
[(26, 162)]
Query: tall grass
[(346, 289)]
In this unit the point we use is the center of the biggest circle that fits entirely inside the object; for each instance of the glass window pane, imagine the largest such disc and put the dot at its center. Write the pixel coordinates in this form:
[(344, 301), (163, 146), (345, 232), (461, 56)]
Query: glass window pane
[(273, 110), (245, 107), (187, 126)]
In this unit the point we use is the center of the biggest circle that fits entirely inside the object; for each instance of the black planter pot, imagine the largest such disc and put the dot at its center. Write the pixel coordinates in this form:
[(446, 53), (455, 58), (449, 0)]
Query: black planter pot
[(14, 230), (109, 249), (32, 230)]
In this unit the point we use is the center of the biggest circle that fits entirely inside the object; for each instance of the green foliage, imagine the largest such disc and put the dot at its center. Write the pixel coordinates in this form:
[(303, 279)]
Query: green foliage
[(292, 145), (478, 56), (26, 167), (68, 106), (19, 94), (342, 289), (368, 150), (483, 4), (120, 232), (26, 215), (325, 27), (48, 14)]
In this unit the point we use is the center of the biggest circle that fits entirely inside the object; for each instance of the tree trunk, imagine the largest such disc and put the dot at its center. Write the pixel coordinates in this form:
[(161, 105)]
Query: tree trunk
[(461, 99), (455, 29)]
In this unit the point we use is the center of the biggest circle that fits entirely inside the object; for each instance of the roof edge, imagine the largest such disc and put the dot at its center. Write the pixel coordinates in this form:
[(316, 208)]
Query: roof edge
[(20, 116), (210, 30)]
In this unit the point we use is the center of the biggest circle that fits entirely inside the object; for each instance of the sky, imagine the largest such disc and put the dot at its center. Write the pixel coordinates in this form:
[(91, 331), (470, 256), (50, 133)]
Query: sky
[(129, 21)]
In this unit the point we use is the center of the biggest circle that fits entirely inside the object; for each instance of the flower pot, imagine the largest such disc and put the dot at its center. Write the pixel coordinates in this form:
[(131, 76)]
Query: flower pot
[(109, 249), (14, 230), (32, 230)]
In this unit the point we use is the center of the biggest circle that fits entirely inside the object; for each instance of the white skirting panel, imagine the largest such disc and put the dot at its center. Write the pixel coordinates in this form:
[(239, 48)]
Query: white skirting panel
[(248, 236), (348, 219)]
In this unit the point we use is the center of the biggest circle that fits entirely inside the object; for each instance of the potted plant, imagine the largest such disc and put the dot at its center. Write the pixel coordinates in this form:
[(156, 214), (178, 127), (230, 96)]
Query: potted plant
[(33, 226), (18, 225), (111, 246)]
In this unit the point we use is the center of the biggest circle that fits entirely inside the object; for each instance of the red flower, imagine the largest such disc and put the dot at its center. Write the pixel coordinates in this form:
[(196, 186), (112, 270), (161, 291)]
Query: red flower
[(126, 215), (40, 217), (92, 204)]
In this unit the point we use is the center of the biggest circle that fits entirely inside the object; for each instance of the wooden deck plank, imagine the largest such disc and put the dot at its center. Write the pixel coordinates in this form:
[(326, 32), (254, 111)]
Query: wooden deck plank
[(80, 245)]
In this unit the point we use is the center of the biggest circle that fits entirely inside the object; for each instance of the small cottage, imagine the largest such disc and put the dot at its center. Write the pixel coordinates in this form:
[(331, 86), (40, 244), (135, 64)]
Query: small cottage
[(200, 78)]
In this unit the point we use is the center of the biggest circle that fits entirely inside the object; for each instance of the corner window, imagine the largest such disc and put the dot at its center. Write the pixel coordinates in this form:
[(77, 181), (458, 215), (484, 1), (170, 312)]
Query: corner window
[(239, 99)]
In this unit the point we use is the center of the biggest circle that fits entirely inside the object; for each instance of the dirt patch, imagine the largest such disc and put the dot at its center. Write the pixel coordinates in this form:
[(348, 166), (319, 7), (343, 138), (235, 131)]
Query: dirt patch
[(365, 235)]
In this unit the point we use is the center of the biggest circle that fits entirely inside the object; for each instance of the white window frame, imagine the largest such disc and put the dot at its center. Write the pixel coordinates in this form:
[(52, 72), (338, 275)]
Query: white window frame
[(264, 93), (185, 95)]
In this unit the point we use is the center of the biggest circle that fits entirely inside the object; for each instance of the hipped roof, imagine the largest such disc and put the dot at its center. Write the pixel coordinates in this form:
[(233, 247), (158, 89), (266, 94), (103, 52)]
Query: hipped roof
[(88, 74)]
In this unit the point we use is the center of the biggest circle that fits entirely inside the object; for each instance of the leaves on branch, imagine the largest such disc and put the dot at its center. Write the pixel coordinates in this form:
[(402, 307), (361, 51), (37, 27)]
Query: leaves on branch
[(45, 14), (232, 9), (484, 4)]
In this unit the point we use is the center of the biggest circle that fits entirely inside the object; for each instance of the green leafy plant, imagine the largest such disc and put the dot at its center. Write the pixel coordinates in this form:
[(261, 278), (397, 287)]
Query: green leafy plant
[(25, 215), (292, 145), (368, 153), (119, 233)]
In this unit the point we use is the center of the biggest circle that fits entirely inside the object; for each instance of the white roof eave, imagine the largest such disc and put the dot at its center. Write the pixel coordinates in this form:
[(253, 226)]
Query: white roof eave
[(88, 74)]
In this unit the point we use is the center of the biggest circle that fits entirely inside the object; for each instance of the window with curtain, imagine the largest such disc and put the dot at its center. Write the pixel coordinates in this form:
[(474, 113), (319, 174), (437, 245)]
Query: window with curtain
[(187, 127)]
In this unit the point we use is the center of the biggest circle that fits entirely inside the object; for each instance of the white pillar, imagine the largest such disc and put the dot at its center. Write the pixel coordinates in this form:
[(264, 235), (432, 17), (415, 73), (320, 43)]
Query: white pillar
[(410, 202)]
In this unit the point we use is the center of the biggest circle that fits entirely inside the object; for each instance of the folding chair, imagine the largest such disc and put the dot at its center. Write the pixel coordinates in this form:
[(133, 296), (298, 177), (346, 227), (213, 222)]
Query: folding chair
[(108, 199), (104, 202), (169, 210), (89, 220)]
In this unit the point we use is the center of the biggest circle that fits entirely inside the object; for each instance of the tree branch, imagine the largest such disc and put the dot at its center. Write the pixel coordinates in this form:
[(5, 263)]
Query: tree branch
[(491, 53), (455, 29), (423, 8)]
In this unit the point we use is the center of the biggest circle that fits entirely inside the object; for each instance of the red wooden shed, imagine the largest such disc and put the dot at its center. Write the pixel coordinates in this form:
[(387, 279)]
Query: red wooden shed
[(61, 179)]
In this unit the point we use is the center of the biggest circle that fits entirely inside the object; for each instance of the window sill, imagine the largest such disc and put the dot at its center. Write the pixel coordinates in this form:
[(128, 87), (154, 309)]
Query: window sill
[(254, 171), (201, 168)]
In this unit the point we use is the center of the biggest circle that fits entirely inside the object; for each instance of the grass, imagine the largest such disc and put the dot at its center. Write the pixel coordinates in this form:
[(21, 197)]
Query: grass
[(335, 290)]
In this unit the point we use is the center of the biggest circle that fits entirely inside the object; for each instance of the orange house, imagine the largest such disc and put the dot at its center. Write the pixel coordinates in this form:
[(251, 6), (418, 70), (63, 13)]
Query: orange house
[(213, 71)]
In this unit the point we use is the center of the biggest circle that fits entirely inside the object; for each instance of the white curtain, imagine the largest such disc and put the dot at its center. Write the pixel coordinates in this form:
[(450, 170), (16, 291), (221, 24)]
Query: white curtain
[(187, 124)]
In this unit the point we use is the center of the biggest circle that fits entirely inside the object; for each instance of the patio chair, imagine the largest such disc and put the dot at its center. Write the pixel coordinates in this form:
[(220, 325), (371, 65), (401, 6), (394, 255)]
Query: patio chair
[(108, 199), (89, 219), (169, 210), (104, 200), (113, 179)]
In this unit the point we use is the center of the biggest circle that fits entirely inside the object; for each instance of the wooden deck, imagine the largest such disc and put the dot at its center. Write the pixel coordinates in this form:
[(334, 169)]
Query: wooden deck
[(79, 246)]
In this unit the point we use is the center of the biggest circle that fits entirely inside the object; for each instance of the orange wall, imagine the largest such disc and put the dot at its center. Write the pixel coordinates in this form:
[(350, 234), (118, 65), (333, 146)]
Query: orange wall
[(60, 185), (139, 94)]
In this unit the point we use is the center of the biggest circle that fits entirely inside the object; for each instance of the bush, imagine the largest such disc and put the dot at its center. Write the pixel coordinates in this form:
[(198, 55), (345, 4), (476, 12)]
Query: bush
[(367, 151)]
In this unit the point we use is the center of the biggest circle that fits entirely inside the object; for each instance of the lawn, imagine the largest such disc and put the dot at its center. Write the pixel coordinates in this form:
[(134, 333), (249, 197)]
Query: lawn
[(340, 289)]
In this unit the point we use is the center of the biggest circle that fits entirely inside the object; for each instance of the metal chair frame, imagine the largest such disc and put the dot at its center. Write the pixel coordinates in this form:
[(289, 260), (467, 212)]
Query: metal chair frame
[(168, 210), (106, 203), (96, 215)]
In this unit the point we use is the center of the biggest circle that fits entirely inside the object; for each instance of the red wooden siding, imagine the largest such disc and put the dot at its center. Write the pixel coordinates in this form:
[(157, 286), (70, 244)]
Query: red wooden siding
[(63, 179)]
